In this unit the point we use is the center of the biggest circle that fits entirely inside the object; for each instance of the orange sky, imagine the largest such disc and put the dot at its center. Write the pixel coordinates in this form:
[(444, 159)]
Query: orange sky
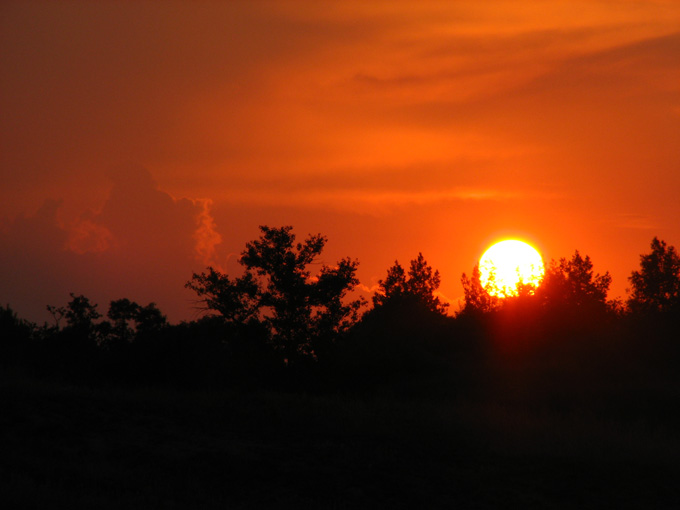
[(141, 140)]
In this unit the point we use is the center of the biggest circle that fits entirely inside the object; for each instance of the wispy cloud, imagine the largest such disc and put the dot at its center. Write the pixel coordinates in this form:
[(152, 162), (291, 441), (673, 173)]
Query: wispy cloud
[(367, 200), (206, 235), (636, 222)]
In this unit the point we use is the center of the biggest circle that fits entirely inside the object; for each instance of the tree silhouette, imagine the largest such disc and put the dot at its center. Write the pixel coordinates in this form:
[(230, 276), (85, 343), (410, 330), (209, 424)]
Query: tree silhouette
[(656, 286), (405, 334), (235, 300), (477, 299), (417, 287), (392, 287), (569, 283), (149, 319), (73, 352), (130, 319), (123, 312), (301, 312), (81, 317), (573, 283), (15, 334)]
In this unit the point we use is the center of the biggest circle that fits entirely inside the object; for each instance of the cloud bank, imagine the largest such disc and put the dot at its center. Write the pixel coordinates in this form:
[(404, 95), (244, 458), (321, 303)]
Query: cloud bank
[(143, 244)]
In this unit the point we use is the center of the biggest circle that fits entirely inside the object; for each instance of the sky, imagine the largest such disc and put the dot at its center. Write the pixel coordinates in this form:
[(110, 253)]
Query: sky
[(143, 141)]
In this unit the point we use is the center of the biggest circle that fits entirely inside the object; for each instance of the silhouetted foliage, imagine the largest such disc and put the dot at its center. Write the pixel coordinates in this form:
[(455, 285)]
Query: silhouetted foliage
[(567, 284), (131, 319), (235, 300), (123, 312), (572, 283), (302, 312), (15, 333), (418, 286), (656, 286), (546, 345), (81, 314), (406, 341), (72, 352), (476, 299)]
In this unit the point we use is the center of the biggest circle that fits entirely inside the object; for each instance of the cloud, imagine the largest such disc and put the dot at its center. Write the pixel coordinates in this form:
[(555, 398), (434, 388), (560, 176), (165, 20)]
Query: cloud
[(367, 201), (206, 236), (143, 244), (636, 222), (87, 236)]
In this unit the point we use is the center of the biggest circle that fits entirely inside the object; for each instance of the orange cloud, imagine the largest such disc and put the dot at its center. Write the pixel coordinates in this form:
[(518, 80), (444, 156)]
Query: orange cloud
[(86, 236), (142, 244), (206, 235)]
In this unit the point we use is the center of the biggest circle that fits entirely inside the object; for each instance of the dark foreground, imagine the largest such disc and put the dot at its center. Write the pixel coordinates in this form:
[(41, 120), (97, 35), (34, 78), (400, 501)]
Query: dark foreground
[(95, 448)]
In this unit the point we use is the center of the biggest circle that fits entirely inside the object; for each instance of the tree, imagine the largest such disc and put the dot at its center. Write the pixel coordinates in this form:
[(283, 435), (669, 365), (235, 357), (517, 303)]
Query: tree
[(149, 319), (301, 312), (235, 300), (416, 287), (573, 283), (477, 299), (81, 316), (73, 351), (393, 287), (122, 312), (15, 335), (130, 319), (569, 283), (656, 286)]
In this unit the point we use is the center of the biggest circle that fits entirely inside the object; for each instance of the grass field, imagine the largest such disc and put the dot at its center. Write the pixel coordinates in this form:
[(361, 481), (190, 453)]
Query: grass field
[(161, 448)]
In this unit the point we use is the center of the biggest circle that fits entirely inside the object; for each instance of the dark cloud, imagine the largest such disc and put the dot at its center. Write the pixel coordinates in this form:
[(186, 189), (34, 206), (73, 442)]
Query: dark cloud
[(143, 245)]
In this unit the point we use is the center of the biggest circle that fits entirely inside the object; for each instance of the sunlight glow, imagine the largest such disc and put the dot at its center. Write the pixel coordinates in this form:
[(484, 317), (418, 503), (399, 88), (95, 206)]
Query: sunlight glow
[(507, 264)]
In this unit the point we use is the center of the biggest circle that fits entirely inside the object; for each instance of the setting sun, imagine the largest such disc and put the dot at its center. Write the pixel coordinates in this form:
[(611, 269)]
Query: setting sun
[(506, 264)]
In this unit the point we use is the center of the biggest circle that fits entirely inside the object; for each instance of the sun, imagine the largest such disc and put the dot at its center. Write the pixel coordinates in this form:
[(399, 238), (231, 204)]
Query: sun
[(508, 263)]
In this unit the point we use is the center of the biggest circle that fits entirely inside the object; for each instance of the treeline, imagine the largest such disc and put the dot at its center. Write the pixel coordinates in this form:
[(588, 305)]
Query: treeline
[(288, 322)]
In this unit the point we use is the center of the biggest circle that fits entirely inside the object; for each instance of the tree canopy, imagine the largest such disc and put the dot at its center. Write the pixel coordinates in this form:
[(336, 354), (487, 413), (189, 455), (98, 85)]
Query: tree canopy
[(573, 283), (568, 283), (476, 298), (656, 286), (301, 311), (418, 286)]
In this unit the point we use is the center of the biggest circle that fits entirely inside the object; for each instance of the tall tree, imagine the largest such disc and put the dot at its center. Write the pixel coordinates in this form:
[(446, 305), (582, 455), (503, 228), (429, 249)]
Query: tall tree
[(476, 298), (301, 311), (419, 286), (82, 318), (130, 319), (149, 319), (573, 283), (80, 313), (656, 286), (123, 312)]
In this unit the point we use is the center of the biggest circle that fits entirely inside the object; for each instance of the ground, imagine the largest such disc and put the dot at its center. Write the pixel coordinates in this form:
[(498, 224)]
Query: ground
[(162, 448)]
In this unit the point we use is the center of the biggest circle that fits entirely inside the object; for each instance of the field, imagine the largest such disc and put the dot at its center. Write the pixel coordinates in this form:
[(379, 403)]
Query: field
[(80, 447)]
